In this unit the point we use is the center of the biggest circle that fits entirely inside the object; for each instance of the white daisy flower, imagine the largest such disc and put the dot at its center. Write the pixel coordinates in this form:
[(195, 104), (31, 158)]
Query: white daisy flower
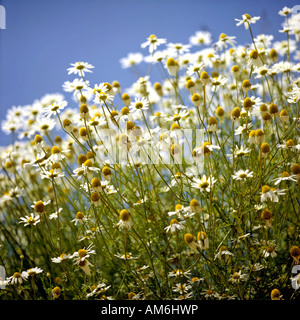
[(237, 277), (247, 20), (75, 85), (200, 38), (62, 257), (223, 254), (84, 253), (195, 68), (132, 59), (242, 175), (54, 108), (139, 104), (80, 68), (30, 220), (285, 176), (182, 288), (153, 42), (174, 226), (17, 278), (34, 271), (204, 183), (54, 215)]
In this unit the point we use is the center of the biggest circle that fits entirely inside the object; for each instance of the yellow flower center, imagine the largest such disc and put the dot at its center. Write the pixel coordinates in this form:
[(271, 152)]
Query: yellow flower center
[(204, 185), (88, 163), (189, 238), (290, 143), (17, 275), (82, 253), (265, 189), (124, 215), (173, 221), (79, 215)]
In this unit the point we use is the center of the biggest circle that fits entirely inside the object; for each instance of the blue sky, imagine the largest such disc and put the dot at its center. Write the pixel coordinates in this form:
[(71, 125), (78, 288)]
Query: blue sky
[(43, 37)]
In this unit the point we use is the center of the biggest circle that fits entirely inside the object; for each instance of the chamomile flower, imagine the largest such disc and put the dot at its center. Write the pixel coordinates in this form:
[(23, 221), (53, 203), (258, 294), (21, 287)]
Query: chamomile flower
[(44, 125), (103, 98), (285, 176), (295, 254), (203, 240), (268, 193), (132, 59), (200, 38), (54, 108), (237, 277), (57, 154), (17, 278), (270, 251), (177, 116), (246, 20), (207, 148), (10, 125), (33, 271), (139, 104), (178, 48), (179, 273), (244, 129), (256, 267), (172, 67), (30, 220), (255, 59), (153, 42), (194, 207), (242, 175), (75, 86), (190, 240), (83, 254), (56, 291), (79, 218), (127, 256), (224, 40), (84, 264), (52, 174), (86, 168), (218, 81), (240, 152), (55, 214), (174, 226), (195, 68), (61, 258), (125, 221), (223, 254), (179, 211), (294, 94), (285, 11), (261, 71), (40, 206), (204, 183), (80, 68), (99, 289), (182, 288)]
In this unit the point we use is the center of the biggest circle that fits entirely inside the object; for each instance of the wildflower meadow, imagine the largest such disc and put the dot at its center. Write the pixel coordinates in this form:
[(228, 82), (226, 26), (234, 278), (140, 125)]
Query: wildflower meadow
[(179, 188)]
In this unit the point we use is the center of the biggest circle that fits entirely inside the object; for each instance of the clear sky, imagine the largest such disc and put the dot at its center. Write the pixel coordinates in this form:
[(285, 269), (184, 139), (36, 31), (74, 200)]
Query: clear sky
[(43, 37)]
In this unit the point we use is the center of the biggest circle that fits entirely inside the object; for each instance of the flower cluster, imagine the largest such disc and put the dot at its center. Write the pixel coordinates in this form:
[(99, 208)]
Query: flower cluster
[(184, 187)]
